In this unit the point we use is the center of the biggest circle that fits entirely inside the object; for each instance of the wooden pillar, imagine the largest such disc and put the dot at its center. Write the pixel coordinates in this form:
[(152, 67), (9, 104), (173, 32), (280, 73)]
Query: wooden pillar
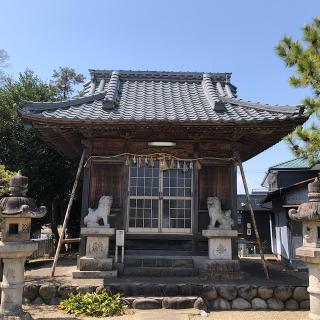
[(122, 221), (233, 206), (195, 235), (125, 188), (85, 200), (195, 199)]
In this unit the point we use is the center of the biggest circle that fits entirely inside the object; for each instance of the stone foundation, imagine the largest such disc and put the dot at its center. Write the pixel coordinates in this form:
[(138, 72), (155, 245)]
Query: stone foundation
[(172, 296)]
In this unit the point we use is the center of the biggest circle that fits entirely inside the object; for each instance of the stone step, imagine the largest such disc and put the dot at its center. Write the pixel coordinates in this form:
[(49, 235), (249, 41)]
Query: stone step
[(165, 302), (95, 274), (158, 262), (159, 271)]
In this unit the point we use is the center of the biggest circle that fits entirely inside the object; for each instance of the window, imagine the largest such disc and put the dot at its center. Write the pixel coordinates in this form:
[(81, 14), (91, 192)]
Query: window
[(159, 201), (13, 228)]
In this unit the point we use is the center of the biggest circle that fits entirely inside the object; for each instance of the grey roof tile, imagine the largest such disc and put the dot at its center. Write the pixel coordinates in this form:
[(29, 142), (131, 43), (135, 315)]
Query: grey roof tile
[(157, 96)]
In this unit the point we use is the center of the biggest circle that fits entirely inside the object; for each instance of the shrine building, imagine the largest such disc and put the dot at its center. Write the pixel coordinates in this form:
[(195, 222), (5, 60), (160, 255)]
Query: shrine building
[(160, 143)]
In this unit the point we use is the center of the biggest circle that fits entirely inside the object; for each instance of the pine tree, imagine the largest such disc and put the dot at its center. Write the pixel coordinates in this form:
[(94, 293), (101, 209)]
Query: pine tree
[(304, 57), (4, 63), (65, 79)]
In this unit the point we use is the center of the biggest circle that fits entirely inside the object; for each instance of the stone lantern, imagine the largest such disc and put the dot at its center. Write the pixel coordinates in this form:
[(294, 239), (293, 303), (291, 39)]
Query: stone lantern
[(16, 212), (309, 214)]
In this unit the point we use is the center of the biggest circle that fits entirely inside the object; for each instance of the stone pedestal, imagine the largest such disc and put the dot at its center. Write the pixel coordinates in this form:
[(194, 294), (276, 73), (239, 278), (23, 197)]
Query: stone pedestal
[(311, 256), (13, 255), (96, 263), (314, 290), (309, 214), (219, 264)]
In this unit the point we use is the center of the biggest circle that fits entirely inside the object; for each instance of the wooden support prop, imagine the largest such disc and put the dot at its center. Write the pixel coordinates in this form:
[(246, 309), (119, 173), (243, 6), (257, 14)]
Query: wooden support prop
[(71, 240), (66, 217), (255, 228)]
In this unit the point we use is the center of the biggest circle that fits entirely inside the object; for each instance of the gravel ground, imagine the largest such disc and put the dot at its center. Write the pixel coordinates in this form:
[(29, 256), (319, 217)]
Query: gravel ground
[(251, 274), (46, 312)]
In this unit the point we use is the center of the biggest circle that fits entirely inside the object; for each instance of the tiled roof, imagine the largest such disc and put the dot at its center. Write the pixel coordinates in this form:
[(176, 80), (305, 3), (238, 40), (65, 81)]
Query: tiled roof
[(282, 191), (298, 163), (159, 96)]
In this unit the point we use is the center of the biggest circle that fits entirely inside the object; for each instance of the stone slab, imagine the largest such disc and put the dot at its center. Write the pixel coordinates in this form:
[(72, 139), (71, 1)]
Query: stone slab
[(97, 231), (220, 248), (93, 264), (222, 265), (308, 252), (159, 262), (159, 272), (209, 276), (97, 247), (95, 274), (221, 270), (220, 233), (19, 249), (22, 316)]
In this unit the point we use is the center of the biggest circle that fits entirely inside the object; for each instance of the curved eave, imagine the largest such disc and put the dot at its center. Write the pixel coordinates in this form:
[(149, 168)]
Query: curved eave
[(30, 106), (37, 107), (296, 119), (67, 137), (291, 110)]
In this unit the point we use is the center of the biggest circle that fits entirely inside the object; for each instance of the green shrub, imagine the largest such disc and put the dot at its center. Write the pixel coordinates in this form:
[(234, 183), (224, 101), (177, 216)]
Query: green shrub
[(93, 304), (5, 176)]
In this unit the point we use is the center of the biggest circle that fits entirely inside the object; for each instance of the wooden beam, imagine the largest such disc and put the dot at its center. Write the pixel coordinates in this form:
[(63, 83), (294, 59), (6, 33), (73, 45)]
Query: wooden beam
[(290, 205), (254, 223), (69, 140), (71, 240), (66, 217)]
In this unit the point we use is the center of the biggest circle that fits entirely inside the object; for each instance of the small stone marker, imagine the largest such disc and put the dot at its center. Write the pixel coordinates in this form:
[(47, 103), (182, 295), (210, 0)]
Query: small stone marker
[(119, 243)]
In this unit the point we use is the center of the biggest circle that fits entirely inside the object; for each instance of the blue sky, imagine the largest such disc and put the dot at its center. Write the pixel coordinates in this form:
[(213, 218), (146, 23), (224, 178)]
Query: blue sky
[(200, 35)]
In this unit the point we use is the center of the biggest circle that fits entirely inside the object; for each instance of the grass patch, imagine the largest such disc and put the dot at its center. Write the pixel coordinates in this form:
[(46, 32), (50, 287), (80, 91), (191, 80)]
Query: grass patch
[(93, 304)]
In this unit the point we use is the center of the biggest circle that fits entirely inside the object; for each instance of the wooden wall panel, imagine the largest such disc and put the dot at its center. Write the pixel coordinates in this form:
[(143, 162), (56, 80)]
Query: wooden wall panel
[(106, 179), (214, 180)]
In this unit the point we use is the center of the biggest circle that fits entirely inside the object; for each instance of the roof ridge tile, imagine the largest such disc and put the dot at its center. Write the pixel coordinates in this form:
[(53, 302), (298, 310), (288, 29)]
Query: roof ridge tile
[(110, 100), (214, 100)]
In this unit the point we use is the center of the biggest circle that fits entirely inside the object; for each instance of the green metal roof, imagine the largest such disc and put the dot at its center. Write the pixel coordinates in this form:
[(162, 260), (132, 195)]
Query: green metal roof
[(298, 163)]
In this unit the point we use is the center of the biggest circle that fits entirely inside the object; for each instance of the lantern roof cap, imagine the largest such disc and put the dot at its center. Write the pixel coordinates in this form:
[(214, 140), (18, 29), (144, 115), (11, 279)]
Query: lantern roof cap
[(309, 211)]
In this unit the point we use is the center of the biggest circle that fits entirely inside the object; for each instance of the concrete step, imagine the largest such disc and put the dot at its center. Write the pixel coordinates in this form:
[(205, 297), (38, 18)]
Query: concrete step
[(159, 272)]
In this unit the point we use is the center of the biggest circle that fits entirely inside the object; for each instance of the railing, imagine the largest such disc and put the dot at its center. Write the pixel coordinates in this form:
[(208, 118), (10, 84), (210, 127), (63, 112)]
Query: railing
[(45, 248), (250, 248)]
